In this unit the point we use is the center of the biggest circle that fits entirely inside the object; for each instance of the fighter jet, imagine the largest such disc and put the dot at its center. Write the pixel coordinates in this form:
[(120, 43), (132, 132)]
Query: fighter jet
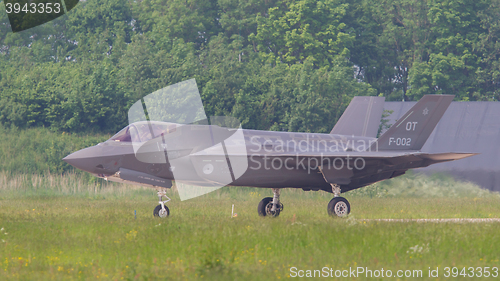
[(208, 153)]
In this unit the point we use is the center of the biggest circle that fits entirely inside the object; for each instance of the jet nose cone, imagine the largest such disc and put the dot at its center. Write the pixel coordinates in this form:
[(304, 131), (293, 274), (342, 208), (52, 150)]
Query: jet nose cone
[(85, 159)]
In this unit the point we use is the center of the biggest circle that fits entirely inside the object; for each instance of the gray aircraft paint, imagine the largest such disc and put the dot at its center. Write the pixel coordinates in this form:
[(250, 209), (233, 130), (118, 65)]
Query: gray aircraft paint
[(361, 117), (465, 127), (207, 155)]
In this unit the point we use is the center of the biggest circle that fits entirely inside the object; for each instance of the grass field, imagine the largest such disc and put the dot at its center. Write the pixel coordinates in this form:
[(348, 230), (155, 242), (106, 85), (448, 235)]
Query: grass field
[(75, 228)]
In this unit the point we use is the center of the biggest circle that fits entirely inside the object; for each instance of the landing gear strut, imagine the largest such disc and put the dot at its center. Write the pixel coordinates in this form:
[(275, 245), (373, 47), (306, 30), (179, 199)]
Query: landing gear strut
[(271, 206), (161, 210), (338, 206)]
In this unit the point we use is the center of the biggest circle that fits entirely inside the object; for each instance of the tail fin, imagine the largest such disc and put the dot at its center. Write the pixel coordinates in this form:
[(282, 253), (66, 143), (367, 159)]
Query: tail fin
[(361, 117), (411, 131)]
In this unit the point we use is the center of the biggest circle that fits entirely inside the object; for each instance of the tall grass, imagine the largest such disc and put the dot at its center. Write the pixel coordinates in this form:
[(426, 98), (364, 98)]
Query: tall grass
[(85, 185), (69, 184), (417, 185)]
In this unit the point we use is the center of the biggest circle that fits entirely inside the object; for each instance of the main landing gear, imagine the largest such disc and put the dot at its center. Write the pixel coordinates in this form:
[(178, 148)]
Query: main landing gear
[(338, 206), (271, 206), (161, 210)]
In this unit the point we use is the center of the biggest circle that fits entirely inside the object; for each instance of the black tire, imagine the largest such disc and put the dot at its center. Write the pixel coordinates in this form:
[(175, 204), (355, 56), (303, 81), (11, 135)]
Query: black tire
[(262, 206), (339, 207), (265, 207), (156, 212)]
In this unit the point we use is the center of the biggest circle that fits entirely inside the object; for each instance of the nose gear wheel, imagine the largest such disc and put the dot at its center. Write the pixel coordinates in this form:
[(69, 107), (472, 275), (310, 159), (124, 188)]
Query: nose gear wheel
[(161, 210)]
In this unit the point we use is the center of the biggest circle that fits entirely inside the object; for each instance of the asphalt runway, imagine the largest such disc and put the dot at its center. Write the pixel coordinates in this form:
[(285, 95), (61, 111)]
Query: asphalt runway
[(456, 220)]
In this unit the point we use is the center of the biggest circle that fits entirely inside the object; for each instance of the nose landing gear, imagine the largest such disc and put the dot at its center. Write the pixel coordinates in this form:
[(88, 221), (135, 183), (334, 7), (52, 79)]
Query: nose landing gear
[(161, 210)]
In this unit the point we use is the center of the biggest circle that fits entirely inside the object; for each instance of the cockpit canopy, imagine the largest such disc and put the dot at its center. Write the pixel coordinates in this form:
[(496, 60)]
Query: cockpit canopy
[(143, 131)]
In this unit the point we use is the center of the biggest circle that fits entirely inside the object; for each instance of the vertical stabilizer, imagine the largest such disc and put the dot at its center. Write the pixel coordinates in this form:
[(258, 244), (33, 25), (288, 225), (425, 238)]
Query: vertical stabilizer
[(361, 117), (413, 129)]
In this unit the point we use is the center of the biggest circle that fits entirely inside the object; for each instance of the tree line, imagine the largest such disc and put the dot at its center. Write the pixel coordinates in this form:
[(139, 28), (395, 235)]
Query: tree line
[(288, 65)]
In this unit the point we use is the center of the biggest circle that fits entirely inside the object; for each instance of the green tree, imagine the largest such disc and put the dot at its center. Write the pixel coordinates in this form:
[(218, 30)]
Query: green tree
[(295, 31), (165, 20), (448, 65)]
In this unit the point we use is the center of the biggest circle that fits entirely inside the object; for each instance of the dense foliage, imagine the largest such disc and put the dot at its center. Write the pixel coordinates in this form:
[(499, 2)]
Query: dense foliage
[(39, 150), (274, 64)]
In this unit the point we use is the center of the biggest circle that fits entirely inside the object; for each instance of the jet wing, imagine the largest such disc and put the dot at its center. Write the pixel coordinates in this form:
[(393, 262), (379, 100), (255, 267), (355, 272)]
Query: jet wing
[(343, 169), (339, 167)]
